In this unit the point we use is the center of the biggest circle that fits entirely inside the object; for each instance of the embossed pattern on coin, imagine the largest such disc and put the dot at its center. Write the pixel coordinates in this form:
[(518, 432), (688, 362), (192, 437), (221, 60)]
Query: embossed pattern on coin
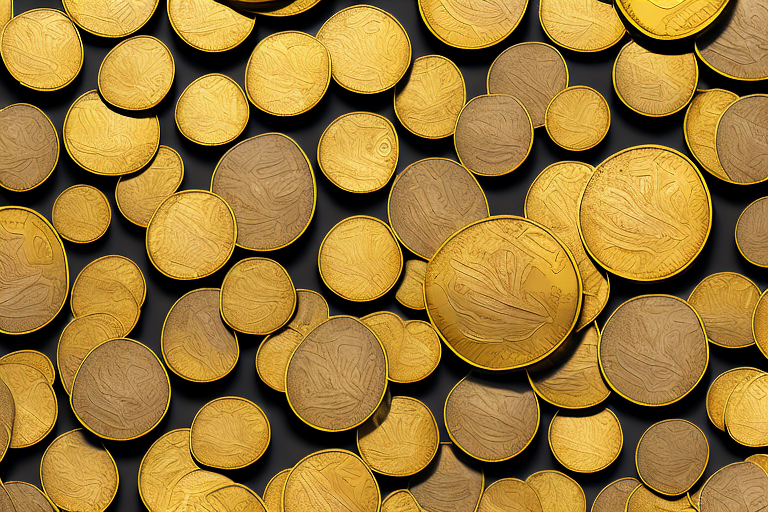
[(208, 25), (667, 20), (700, 128), (510, 495), (760, 459), (410, 292), (738, 487), (752, 232), (236, 497), (7, 416), (195, 489), (293, 7), (760, 324), (558, 492), (79, 337), (472, 25), (29, 498), (742, 139), (577, 118), (614, 496), (6, 11), (745, 412), (273, 492), (400, 501), (720, 391), (35, 404), (110, 18), (112, 268), (33, 358), (581, 25), (643, 500), (81, 214), (586, 444), (166, 462), (451, 483), (213, 110), (29, 147)]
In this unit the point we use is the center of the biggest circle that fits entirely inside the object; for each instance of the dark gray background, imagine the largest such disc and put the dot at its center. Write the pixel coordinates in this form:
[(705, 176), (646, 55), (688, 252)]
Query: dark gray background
[(291, 439)]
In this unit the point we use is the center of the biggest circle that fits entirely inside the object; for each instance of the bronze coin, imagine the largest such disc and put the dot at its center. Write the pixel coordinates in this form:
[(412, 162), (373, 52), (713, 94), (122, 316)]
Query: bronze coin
[(451, 483), (738, 487), (741, 139), (29, 147), (6, 504), (614, 496), (752, 232)]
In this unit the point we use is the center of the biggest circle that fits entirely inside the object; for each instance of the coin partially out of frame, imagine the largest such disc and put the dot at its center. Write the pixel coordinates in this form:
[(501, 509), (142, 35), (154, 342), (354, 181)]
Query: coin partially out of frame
[(213, 110), (586, 444), (276, 9), (752, 232), (451, 483), (79, 337), (740, 139), (30, 147), (166, 462), (472, 25), (558, 492), (577, 118), (209, 25), (670, 20), (741, 482), (510, 494), (760, 324), (700, 127), (614, 496), (198, 487), (112, 18), (6, 11), (721, 389), (35, 403), (410, 292), (581, 25), (81, 214), (400, 501)]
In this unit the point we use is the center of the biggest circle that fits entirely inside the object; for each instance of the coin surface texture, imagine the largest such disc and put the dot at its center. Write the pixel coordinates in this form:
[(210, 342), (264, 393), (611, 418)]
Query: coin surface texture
[(720, 391), (28, 497), (738, 487), (581, 25), (558, 492), (577, 118), (745, 412), (7, 416), (752, 232), (760, 324), (35, 404), (110, 18), (79, 337), (35, 359), (273, 492), (471, 25), (740, 140), (29, 147), (196, 490), (760, 459), (451, 483), (614, 496), (644, 500), (6, 11), (668, 20), (81, 214), (166, 462), (410, 292), (700, 128), (209, 25), (510, 495), (586, 444), (292, 8), (400, 501), (213, 110)]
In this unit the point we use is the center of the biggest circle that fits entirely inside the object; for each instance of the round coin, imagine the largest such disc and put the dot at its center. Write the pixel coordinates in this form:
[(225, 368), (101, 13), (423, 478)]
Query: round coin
[(81, 214), (33, 358), (700, 127), (114, 268), (212, 110), (209, 25), (586, 444), (410, 292), (577, 118), (745, 412), (722, 388), (752, 232), (35, 404), (400, 501), (760, 324), (7, 416), (558, 492), (29, 498), (510, 495), (643, 500), (111, 18), (740, 139), (614, 496), (198, 488), (451, 483), (29, 147), (741, 486), (470, 25), (273, 492), (581, 25), (166, 462), (670, 20)]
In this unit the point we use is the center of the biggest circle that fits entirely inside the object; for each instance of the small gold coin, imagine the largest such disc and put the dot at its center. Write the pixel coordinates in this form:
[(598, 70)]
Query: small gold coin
[(720, 390), (577, 118), (581, 25), (191, 234), (740, 139), (103, 141), (400, 501), (79, 337), (760, 324), (510, 495), (745, 412), (586, 444), (700, 127), (752, 232), (653, 350), (209, 25), (166, 462), (428, 104), (432, 199), (471, 25), (269, 183), (81, 214), (213, 110), (33, 358), (29, 146), (110, 18), (273, 492), (654, 84), (35, 404), (669, 20), (742, 486), (195, 490), (121, 390), (558, 492), (366, 34), (410, 292), (78, 473), (42, 49), (614, 496), (531, 72), (451, 483), (29, 498), (759, 459), (358, 152), (643, 500)]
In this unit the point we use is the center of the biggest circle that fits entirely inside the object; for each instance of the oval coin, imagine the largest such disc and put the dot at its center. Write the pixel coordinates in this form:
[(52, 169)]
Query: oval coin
[(740, 139), (471, 26), (700, 128), (742, 486), (213, 110), (752, 232), (510, 495), (81, 214), (577, 118), (667, 21), (558, 492), (451, 483), (166, 462), (586, 444), (614, 496), (721, 389), (29, 147), (209, 25), (35, 402), (111, 18), (410, 292), (581, 25)]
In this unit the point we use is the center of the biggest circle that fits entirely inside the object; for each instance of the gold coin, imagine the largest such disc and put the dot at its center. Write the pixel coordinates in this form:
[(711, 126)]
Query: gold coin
[(78, 473), (533, 73), (103, 141), (191, 234), (35, 404), (451, 483), (586, 444), (358, 152), (614, 496), (6, 12), (33, 358), (208, 25), (494, 134), (553, 201), (42, 49), (510, 495), (403, 442), (400, 501), (137, 73), (581, 25), (369, 35), (428, 104), (36, 276), (195, 342), (725, 302), (138, 196), (668, 20), (7, 417), (745, 412), (81, 214), (472, 25), (485, 303), (740, 139), (288, 73), (229, 433), (410, 292), (491, 420), (654, 84), (113, 268), (360, 259), (30, 146), (194, 490), (695, 497), (29, 498), (269, 183), (558, 492), (741, 486), (759, 459), (275, 351), (111, 18), (121, 390), (643, 500), (166, 462), (722, 388), (212, 110), (700, 127), (432, 199), (752, 233), (577, 118), (235, 497), (760, 324), (646, 213), (273, 492), (653, 350)]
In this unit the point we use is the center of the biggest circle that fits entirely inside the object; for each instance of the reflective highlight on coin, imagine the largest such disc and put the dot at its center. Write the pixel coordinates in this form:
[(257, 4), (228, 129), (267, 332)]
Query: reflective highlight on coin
[(586, 444), (700, 128), (577, 118), (721, 389), (213, 110), (677, 19), (81, 214), (110, 18), (746, 410), (581, 25), (741, 139), (166, 462), (208, 25)]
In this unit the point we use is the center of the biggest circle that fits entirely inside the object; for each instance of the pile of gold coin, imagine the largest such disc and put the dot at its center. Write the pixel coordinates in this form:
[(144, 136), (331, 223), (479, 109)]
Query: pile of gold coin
[(535, 350)]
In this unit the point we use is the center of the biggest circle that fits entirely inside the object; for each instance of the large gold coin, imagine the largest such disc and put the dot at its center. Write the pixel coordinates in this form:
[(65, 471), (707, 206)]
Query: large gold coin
[(581, 25), (503, 293), (740, 139), (558, 492), (29, 498), (369, 35), (213, 110), (35, 359), (510, 495), (760, 324), (400, 501), (722, 388), (110, 18), (410, 292), (29, 146), (472, 25), (360, 259), (577, 118), (195, 490), (451, 483), (752, 232), (166, 462), (234, 497), (653, 350), (35, 403), (646, 213), (670, 19), (269, 183), (745, 412), (35, 276), (273, 492), (429, 103), (432, 199), (739, 487), (208, 25), (79, 337), (103, 141), (121, 390), (42, 49), (700, 127), (643, 500), (191, 234), (614, 496), (586, 444), (81, 214)]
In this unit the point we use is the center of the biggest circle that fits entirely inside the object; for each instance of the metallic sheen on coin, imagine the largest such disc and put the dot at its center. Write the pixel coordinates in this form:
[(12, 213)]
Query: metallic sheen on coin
[(670, 20), (510, 495), (451, 483), (400, 501), (273, 492), (29, 147), (614, 496), (721, 389), (558, 492), (577, 118), (209, 25), (760, 324), (410, 291), (586, 444), (581, 25), (35, 402), (752, 232), (166, 462), (738, 487), (79, 337), (700, 128), (110, 18), (213, 110), (33, 358), (745, 412), (644, 500), (740, 140), (81, 214), (29, 498), (472, 25)]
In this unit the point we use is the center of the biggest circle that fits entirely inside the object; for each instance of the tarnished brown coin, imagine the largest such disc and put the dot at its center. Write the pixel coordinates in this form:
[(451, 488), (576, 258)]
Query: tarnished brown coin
[(273, 492), (213, 110), (740, 139), (209, 25), (29, 146), (81, 214), (700, 128), (510, 495), (410, 291), (558, 492), (577, 118), (194, 490), (614, 496), (400, 501), (166, 462), (33, 358), (738, 487), (36, 407), (720, 390), (670, 20), (110, 18), (29, 498), (586, 444), (581, 25), (471, 25), (746, 410), (451, 483), (752, 232), (6, 503), (760, 324), (644, 500)]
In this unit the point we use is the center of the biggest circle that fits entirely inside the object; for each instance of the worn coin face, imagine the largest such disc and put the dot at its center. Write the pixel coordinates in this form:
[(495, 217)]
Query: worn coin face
[(81, 214), (558, 492), (110, 18), (581, 25), (745, 412), (273, 492), (741, 486), (7, 416), (166, 462), (586, 444), (79, 337), (470, 25), (720, 390), (364, 33), (614, 496), (33, 358), (29, 498), (410, 292), (643, 500), (278, 200), (741, 135), (35, 403), (400, 501), (669, 20), (577, 118), (752, 232), (760, 324), (451, 483), (212, 110), (510, 495), (209, 25), (29, 147), (700, 127)]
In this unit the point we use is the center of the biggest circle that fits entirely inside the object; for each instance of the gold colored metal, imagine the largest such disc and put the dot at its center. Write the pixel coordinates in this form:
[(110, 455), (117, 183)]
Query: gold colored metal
[(510, 495), (743, 485), (577, 118), (700, 128), (752, 232), (740, 139), (410, 292), (472, 25), (110, 18), (213, 110), (273, 492), (581, 25), (643, 500), (235, 497), (451, 483), (5, 499), (166, 462), (7, 417), (722, 388), (6, 12), (760, 324), (668, 20), (759, 459), (292, 8), (35, 404), (558, 492), (400, 501), (29, 146), (114, 268), (746, 410), (29, 498), (33, 358), (209, 25), (196, 489), (614, 496), (586, 444), (81, 214)]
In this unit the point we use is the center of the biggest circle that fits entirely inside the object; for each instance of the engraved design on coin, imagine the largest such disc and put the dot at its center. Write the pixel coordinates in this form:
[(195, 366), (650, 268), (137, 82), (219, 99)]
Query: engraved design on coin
[(700, 128), (746, 410), (752, 232), (35, 403), (410, 292), (400, 501), (29, 498), (166, 462), (29, 147), (213, 110), (643, 500), (742, 139), (671, 19), (558, 492), (79, 337), (581, 25), (110, 18), (720, 391), (451, 483), (510, 495), (614, 496), (81, 214), (738, 487), (208, 25), (472, 25), (33, 358), (273, 492), (578, 118)]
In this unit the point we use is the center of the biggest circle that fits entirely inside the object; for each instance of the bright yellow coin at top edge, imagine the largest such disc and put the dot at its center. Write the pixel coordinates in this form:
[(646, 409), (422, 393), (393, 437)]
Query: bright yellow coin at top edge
[(81, 214), (586, 444), (209, 25), (581, 25), (577, 118), (472, 25), (213, 110), (280, 10), (110, 18), (33, 358), (670, 19)]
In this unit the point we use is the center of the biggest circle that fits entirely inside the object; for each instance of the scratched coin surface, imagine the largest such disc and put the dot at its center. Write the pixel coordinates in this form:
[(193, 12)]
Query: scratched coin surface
[(81, 214), (586, 444), (653, 349), (35, 276), (42, 49), (669, 20), (35, 404), (752, 232), (209, 25), (213, 110), (366, 34), (121, 390), (451, 483), (277, 202), (533, 73), (581, 25), (29, 498), (577, 118), (79, 337), (102, 141), (742, 132), (760, 324), (29, 147), (643, 500), (35, 359), (410, 292), (337, 377), (166, 462), (700, 127), (614, 496), (745, 412), (472, 25), (430, 101), (645, 213), (558, 492), (400, 501), (110, 18), (720, 391), (738, 487), (195, 490), (510, 495), (273, 492)]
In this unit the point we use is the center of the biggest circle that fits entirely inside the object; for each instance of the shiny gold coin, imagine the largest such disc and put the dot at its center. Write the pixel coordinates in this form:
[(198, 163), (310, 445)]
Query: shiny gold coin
[(366, 34), (694, 498), (78, 473), (273, 492), (487, 317), (358, 152), (400, 501), (33, 358), (760, 324), (654, 84), (643, 500), (7, 417), (35, 404), (209, 25), (42, 49), (103, 141), (6, 12), (29, 498), (752, 232), (509, 495), (36, 276), (111, 18), (121, 390), (668, 20), (720, 390), (5, 441), (432, 199), (558, 492), (741, 486), (229, 433), (81, 214), (759, 459), (337, 376), (29, 146), (360, 259), (166, 462), (533, 73), (195, 490), (410, 292), (581, 25), (428, 104), (741, 139), (746, 410), (235, 497), (451, 483), (577, 118), (653, 350), (269, 183), (112, 268), (191, 235), (614, 496), (471, 25), (586, 444), (700, 127), (491, 420), (645, 213), (213, 110)]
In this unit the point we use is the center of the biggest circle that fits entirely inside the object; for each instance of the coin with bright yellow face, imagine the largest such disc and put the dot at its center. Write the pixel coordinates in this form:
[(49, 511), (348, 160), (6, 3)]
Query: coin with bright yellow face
[(29, 144), (7, 416), (6, 12), (581, 25), (586, 444), (197, 487), (81, 214), (209, 25), (670, 19), (472, 25), (760, 459), (166, 462), (33, 358), (28, 497), (760, 324), (213, 110), (558, 492), (643, 500), (279, 9), (453, 482), (35, 401), (110, 18), (614, 496), (577, 118), (721, 389), (741, 482), (510, 494), (700, 128), (745, 412), (400, 501), (410, 292), (740, 139)]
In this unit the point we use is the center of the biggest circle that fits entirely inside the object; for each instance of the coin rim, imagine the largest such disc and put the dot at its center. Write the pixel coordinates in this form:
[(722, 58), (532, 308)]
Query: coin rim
[(703, 486), (272, 14), (573, 48), (763, 375), (143, 458), (215, 50), (706, 400), (763, 296), (736, 231), (121, 34), (55, 133), (611, 485), (688, 33), (688, 142), (572, 148), (282, 492), (50, 365), (54, 508), (120, 256), (723, 73), (49, 428), (717, 129), (592, 470), (439, 352), (560, 473), (106, 201)]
